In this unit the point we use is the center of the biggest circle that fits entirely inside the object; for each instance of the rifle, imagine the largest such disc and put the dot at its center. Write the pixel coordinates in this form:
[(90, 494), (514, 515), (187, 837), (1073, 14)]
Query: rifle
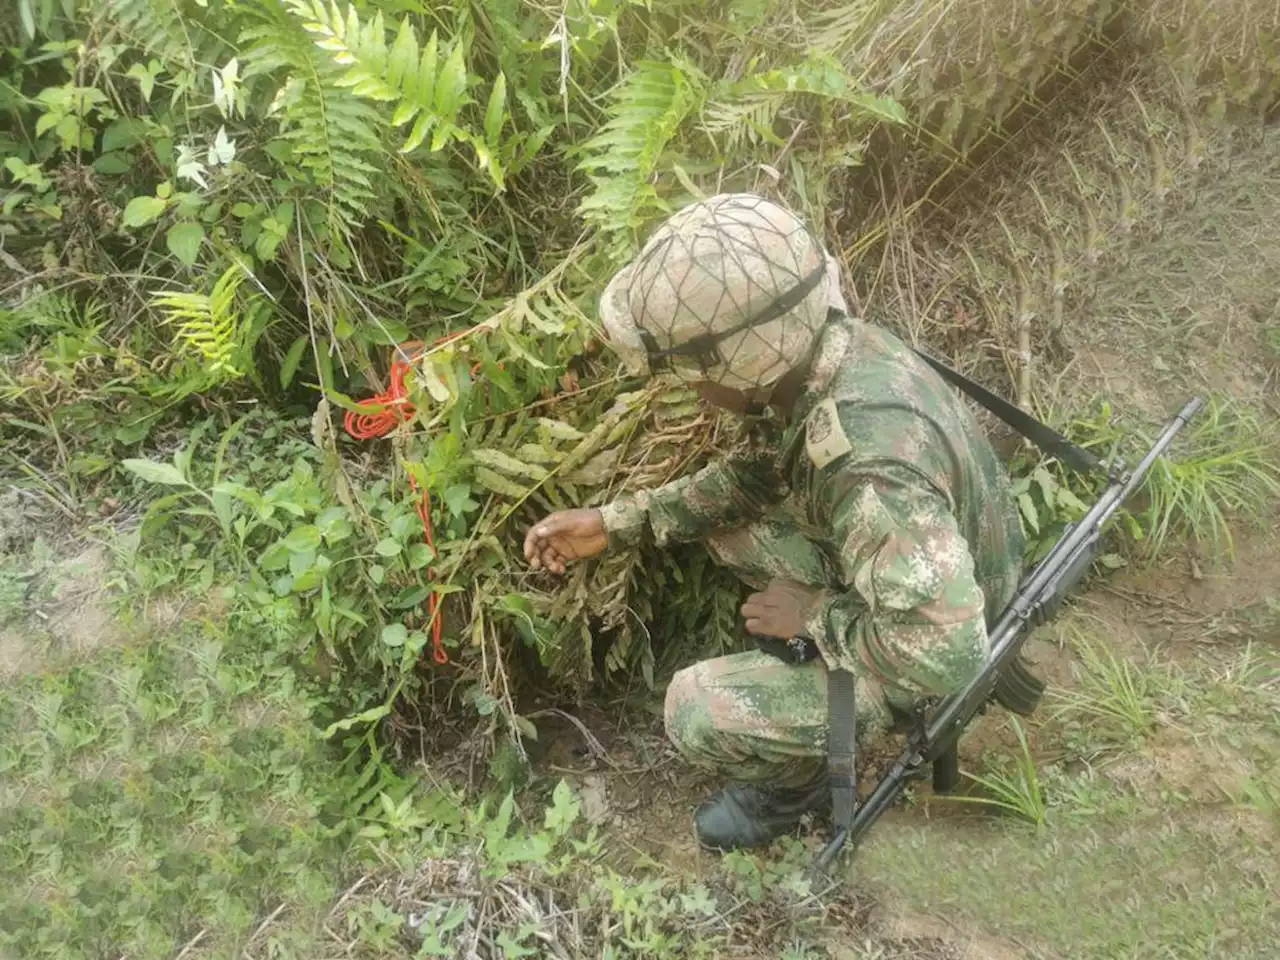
[(1037, 600)]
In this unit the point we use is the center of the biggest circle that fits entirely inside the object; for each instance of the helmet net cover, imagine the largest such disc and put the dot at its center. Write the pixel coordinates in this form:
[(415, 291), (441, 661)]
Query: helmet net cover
[(733, 290)]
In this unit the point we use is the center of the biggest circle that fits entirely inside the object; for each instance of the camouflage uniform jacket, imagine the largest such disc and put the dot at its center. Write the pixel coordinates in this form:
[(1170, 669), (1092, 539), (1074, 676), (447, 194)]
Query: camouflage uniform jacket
[(902, 493)]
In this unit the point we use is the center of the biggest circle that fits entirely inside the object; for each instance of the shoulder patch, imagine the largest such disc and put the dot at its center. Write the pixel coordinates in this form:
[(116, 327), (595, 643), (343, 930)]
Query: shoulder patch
[(824, 437)]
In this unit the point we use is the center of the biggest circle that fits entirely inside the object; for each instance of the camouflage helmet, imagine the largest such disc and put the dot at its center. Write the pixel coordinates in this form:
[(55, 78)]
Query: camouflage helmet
[(733, 290)]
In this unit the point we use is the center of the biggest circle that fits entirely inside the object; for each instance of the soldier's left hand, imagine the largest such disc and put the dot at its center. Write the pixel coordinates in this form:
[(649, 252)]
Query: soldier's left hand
[(781, 610)]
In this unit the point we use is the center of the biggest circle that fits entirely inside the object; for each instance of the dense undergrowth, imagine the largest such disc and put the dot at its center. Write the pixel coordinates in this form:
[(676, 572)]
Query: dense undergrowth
[(253, 202), (218, 221)]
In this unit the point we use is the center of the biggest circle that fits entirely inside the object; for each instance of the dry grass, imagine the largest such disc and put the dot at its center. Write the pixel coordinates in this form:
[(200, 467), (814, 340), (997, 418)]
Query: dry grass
[(1223, 53), (960, 68), (1116, 232)]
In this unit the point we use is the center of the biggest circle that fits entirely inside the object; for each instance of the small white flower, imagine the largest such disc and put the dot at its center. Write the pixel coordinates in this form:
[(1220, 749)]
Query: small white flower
[(189, 168), (225, 84), (223, 150)]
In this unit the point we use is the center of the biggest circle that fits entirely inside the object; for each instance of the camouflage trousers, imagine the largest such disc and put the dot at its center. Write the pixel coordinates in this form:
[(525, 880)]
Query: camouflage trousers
[(748, 716)]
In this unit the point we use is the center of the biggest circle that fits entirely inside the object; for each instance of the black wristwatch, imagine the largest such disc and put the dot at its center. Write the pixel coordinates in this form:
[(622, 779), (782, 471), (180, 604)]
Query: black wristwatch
[(795, 651)]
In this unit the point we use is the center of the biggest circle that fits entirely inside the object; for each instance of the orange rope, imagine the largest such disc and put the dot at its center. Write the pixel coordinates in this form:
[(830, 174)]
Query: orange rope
[(396, 409)]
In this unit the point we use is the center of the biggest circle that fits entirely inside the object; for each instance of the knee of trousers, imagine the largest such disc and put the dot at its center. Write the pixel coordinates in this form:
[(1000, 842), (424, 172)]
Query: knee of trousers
[(688, 722)]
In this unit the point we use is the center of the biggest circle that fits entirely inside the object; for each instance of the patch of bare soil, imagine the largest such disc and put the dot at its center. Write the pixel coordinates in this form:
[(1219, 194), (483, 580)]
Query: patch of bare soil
[(75, 621), (965, 943)]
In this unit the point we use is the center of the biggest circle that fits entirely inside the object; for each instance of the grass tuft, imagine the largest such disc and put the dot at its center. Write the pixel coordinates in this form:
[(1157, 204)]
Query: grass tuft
[(1115, 698), (1232, 469), (1019, 791)]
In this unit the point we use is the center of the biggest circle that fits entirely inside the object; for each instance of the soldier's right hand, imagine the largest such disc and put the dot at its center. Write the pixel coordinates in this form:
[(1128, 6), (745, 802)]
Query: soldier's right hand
[(565, 536)]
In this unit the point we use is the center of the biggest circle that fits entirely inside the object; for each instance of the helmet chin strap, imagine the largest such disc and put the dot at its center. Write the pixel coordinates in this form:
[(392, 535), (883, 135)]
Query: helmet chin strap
[(758, 402)]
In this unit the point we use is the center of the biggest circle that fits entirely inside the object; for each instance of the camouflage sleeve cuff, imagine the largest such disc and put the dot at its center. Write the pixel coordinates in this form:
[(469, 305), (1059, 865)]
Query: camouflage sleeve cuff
[(829, 622), (816, 630), (624, 522)]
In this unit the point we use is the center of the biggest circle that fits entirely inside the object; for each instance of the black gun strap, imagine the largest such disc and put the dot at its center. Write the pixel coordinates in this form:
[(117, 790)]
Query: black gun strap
[(842, 735), (1042, 435)]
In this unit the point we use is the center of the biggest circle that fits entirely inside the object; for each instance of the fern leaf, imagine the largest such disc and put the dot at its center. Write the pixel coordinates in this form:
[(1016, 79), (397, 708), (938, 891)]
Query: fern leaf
[(167, 31), (394, 74), (425, 90), (647, 110), (208, 327), (330, 131)]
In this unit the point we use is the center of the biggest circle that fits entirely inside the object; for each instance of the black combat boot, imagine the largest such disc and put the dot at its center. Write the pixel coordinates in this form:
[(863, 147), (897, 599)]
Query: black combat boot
[(743, 815)]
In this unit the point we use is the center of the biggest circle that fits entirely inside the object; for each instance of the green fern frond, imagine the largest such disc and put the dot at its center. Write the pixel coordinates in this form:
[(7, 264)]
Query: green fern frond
[(428, 86), (208, 327), (423, 86), (331, 133), (749, 120), (647, 110), (167, 31)]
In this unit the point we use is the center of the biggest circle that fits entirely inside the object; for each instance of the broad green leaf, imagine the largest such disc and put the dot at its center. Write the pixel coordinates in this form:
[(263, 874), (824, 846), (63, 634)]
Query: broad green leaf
[(27, 15), (1065, 496), (444, 131), (451, 84), (183, 240), (1029, 511), (146, 80), (408, 597), (122, 133), (47, 122), (457, 500), (515, 346), (302, 539), (394, 634), (142, 210), (113, 164), (291, 360), (155, 472), (419, 555), (1048, 486), (882, 107), (424, 91), (402, 62), (405, 111), (333, 524), (300, 561), (240, 492), (419, 132), (275, 557), (389, 547), (430, 379), (564, 810), (495, 113)]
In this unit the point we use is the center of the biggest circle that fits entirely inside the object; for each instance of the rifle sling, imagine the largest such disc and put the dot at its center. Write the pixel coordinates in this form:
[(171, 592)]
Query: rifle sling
[(1041, 434), (842, 746)]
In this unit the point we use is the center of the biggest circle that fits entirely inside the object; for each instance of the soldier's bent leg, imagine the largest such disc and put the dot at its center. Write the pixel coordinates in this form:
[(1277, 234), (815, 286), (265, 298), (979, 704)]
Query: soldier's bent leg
[(754, 719)]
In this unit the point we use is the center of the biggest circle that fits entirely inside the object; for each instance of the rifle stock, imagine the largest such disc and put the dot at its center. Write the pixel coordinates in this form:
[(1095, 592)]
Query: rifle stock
[(1037, 600)]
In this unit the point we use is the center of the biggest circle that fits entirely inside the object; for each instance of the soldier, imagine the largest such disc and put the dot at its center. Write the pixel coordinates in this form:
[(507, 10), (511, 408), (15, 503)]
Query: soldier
[(878, 535)]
